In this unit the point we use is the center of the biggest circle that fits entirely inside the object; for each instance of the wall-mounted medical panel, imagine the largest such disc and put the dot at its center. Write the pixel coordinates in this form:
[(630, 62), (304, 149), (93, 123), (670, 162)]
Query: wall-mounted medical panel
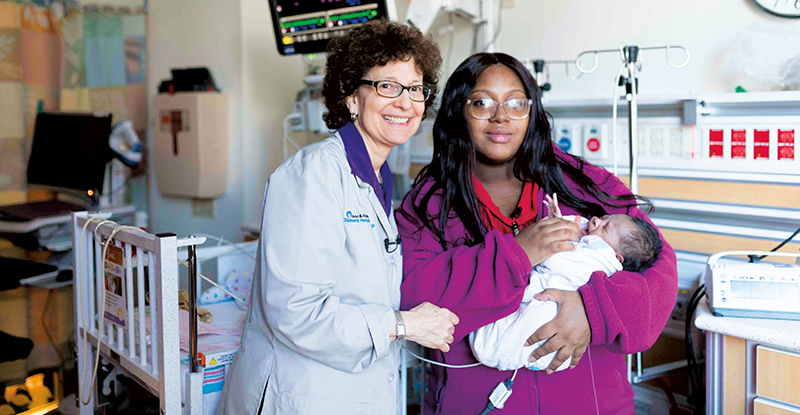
[(568, 137), (726, 179), (745, 134)]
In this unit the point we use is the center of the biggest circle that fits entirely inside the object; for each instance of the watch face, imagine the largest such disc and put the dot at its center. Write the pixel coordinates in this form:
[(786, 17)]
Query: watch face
[(783, 8)]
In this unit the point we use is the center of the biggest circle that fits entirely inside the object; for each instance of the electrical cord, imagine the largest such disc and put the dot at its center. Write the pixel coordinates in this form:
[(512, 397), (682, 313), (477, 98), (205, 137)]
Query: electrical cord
[(697, 396), (102, 310), (499, 25), (103, 307), (754, 258), (50, 338), (450, 42), (475, 36), (209, 280), (225, 241), (78, 275), (214, 284), (286, 138), (120, 188), (614, 118), (433, 362), (500, 393)]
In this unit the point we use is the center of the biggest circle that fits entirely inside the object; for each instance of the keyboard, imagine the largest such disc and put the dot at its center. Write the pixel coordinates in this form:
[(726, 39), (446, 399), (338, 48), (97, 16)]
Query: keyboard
[(25, 212), (12, 270)]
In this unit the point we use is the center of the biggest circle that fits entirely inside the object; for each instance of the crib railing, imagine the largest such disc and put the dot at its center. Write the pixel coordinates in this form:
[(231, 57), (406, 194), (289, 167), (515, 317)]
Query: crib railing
[(151, 277)]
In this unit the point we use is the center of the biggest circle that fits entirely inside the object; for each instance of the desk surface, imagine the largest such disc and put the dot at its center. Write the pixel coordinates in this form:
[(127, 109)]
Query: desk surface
[(30, 226), (781, 333)]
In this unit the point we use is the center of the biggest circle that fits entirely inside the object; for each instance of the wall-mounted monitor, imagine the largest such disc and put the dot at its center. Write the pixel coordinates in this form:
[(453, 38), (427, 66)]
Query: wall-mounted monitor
[(305, 26)]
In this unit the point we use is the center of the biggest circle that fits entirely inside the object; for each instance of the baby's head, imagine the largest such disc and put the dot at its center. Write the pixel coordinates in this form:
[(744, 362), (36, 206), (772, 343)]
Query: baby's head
[(635, 241)]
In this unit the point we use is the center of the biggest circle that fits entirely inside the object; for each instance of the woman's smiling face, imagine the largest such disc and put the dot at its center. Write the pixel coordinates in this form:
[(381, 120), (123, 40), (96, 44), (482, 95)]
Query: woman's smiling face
[(498, 138), (387, 122)]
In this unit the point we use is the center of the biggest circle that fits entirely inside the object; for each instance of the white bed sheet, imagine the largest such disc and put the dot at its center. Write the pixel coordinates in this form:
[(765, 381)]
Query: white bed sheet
[(224, 315)]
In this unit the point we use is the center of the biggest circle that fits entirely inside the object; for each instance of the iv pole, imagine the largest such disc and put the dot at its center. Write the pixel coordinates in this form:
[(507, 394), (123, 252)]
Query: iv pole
[(630, 57), (538, 67)]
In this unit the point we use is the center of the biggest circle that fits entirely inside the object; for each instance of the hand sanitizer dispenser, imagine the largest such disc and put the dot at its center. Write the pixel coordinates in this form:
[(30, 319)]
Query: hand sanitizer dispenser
[(191, 144)]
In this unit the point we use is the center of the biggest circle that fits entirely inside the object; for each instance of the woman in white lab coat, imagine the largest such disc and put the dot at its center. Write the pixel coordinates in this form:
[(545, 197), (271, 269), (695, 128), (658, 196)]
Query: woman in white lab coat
[(322, 325)]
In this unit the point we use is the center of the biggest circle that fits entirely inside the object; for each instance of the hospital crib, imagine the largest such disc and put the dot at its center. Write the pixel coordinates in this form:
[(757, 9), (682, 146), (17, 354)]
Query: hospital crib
[(148, 349), (150, 266)]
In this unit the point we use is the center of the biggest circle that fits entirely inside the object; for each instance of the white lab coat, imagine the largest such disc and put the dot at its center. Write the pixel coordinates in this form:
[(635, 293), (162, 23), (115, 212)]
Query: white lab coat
[(321, 309)]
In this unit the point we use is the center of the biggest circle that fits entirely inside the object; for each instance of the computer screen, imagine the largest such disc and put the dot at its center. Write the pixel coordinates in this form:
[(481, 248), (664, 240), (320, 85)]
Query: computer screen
[(305, 26), (70, 151)]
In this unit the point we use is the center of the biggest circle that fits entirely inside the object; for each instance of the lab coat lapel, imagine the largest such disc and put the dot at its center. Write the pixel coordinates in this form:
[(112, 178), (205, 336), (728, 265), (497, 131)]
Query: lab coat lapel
[(377, 207)]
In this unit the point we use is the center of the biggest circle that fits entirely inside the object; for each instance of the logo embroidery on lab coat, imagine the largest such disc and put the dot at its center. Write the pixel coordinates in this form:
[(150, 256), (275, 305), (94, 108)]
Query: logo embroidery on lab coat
[(357, 218)]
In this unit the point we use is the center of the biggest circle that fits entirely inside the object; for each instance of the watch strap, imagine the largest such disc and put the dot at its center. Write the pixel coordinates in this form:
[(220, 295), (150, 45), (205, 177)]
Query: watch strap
[(401, 326)]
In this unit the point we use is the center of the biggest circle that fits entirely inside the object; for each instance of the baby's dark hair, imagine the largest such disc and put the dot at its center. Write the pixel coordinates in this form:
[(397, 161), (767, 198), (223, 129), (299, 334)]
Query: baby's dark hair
[(641, 247)]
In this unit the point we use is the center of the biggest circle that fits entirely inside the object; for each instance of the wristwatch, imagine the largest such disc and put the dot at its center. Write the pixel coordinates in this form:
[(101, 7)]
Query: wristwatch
[(401, 326)]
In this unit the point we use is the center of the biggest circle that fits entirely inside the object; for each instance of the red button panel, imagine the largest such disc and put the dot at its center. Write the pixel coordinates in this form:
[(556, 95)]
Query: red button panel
[(715, 144), (785, 144), (738, 144), (761, 145)]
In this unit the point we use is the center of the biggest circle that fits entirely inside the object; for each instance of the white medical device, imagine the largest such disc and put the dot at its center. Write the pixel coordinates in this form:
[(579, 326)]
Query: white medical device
[(762, 290)]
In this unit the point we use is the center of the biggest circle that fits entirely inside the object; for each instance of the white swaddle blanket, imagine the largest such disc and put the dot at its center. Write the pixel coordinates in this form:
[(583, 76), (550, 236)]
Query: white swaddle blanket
[(501, 344)]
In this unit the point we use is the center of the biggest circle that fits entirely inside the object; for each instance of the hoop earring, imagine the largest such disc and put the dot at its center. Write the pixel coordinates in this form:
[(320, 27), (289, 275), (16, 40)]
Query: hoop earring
[(353, 117)]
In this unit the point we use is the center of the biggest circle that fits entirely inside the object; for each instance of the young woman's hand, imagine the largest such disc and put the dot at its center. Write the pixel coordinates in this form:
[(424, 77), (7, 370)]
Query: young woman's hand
[(547, 237), (568, 333), (430, 326)]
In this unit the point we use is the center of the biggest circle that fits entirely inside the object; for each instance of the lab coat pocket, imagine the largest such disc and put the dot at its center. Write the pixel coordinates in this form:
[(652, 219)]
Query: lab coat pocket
[(292, 403)]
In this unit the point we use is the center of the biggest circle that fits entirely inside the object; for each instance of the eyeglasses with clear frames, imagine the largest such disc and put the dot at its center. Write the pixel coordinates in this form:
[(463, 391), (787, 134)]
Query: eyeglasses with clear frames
[(392, 89), (485, 108)]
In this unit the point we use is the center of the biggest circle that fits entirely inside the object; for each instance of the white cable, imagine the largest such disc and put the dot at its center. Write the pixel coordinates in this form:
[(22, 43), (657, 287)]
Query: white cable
[(286, 138), (78, 275), (439, 363), (103, 307), (614, 117), (591, 371), (214, 283)]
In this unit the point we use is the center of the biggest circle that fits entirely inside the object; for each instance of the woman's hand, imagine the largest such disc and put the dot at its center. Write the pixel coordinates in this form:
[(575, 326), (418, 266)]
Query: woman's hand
[(568, 333), (430, 326), (547, 237)]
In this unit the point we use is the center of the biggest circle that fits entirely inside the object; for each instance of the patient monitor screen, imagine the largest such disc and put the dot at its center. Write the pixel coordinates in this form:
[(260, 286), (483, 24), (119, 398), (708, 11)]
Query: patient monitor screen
[(305, 26)]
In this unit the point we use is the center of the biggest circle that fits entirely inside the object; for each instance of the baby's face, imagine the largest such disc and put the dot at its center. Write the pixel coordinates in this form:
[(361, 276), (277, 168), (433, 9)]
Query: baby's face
[(609, 227)]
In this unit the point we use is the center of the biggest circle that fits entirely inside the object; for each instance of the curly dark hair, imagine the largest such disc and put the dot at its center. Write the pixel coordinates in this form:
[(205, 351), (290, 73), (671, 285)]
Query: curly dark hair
[(372, 44), (641, 247)]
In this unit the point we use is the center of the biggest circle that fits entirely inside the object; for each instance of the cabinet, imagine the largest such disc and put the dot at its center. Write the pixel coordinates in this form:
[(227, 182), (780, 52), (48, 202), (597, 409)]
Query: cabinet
[(192, 144), (751, 365)]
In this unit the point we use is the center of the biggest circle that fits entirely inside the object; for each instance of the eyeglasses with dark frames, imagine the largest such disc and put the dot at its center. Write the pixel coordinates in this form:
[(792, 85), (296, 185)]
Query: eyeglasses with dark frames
[(392, 89)]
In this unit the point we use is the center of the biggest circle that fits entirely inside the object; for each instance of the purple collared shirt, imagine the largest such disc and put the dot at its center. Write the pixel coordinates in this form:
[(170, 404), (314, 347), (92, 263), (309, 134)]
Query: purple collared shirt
[(361, 165)]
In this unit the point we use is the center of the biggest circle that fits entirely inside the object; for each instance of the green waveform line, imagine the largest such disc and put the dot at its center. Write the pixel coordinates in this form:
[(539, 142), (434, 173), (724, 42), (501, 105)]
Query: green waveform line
[(369, 14), (319, 21)]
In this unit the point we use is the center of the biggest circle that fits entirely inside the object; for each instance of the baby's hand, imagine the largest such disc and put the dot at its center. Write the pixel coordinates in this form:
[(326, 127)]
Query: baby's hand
[(552, 206)]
